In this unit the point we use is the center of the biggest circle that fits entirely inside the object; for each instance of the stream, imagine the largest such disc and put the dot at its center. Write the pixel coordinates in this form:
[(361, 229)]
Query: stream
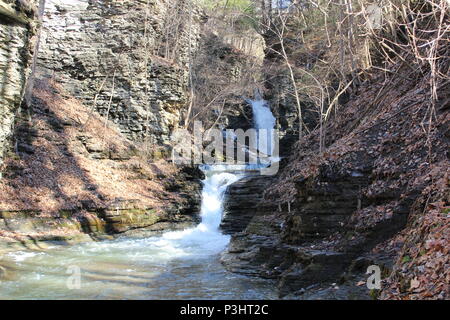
[(176, 265)]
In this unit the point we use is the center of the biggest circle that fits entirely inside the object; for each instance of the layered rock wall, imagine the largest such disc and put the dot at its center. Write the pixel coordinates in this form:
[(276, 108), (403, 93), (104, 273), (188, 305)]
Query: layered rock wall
[(110, 55), (241, 202), (16, 48), (338, 212)]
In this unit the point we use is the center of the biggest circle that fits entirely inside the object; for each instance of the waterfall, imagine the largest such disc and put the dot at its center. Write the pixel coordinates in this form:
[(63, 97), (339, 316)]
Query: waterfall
[(206, 238), (263, 119), (214, 188), (177, 264)]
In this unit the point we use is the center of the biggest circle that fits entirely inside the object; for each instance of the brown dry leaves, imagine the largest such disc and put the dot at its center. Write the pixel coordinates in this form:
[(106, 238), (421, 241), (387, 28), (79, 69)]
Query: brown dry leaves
[(61, 173)]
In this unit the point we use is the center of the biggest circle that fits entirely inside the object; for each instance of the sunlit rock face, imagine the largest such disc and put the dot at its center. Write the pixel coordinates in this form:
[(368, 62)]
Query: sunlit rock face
[(250, 43), (16, 46), (112, 55)]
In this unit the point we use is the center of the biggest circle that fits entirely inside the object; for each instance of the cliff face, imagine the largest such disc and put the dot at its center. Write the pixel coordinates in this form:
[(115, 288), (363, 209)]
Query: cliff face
[(113, 56), (377, 196), (76, 171), (76, 177), (118, 74), (111, 84), (111, 77), (226, 69), (16, 48)]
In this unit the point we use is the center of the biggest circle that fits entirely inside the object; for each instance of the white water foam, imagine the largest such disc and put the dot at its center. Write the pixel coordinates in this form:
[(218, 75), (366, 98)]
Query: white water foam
[(263, 119), (206, 238), (19, 256)]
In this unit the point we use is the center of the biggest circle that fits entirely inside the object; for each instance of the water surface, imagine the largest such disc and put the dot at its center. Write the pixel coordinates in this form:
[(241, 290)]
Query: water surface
[(176, 265)]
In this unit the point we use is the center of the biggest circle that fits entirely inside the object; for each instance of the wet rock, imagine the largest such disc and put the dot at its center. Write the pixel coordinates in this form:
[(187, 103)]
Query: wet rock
[(257, 250), (324, 204), (293, 246), (242, 202), (312, 267)]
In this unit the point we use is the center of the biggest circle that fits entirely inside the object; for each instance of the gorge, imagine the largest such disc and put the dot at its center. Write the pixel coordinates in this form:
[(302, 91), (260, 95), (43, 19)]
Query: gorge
[(138, 268)]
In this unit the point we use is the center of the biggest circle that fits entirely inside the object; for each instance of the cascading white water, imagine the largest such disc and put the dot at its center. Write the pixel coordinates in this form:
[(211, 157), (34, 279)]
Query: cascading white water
[(263, 119), (206, 238)]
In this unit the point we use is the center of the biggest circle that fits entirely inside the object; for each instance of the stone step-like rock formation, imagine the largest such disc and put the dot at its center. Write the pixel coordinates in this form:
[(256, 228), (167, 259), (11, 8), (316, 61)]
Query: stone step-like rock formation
[(293, 245), (241, 202)]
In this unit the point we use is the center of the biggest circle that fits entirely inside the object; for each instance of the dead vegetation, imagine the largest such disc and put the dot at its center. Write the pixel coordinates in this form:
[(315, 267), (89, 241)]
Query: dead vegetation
[(326, 49), (67, 159), (396, 123), (222, 76)]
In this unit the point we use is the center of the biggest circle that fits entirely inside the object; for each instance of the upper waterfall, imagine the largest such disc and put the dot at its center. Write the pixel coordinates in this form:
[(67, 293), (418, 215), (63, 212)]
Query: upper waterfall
[(263, 120), (263, 117)]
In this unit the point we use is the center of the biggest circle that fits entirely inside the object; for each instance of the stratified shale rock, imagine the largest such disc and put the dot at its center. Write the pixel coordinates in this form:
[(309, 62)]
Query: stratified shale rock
[(241, 201), (111, 56), (330, 215), (17, 30)]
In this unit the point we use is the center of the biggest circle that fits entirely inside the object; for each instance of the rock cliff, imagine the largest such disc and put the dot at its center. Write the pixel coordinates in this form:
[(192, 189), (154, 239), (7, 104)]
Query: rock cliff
[(110, 80), (76, 177), (112, 55), (112, 83), (17, 41), (364, 201)]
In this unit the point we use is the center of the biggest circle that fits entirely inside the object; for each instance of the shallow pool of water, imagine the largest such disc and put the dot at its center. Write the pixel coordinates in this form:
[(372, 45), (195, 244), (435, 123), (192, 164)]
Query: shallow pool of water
[(176, 265), (126, 269)]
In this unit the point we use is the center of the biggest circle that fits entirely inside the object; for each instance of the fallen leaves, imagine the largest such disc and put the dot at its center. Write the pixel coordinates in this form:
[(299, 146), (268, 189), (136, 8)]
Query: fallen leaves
[(60, 173), (414, 284)]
